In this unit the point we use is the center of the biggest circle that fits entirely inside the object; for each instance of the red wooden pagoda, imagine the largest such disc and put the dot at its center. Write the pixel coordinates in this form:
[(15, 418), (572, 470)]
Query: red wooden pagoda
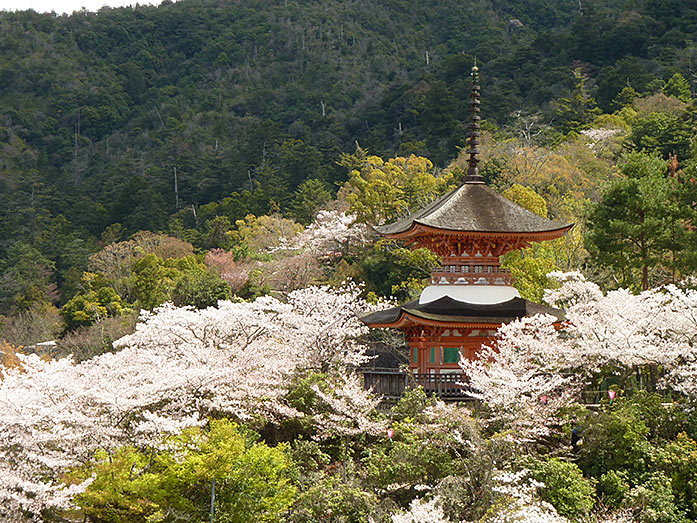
[(470, 296)]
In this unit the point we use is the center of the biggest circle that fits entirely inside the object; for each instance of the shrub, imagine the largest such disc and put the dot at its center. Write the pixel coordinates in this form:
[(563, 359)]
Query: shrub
[(564, 487), (654, 502), (332, 499)]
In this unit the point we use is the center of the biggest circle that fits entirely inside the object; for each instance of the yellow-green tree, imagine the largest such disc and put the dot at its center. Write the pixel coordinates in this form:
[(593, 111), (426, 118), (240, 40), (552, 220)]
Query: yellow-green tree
[(253, 482), (263, 233), (380, 191), (529, 267)]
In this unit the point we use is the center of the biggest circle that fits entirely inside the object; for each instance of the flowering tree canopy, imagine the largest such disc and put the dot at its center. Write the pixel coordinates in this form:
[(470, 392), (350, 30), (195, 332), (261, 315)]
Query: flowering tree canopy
[(331, 231), (536, 367), (179, 366)]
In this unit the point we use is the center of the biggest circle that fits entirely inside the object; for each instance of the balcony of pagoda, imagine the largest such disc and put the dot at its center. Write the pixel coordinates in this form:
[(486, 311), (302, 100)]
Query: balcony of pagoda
[(391, 384), (471, 275)]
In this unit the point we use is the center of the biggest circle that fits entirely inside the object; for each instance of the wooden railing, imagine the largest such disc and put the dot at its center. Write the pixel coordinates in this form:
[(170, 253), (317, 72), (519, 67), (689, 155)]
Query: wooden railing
[(392, 384)]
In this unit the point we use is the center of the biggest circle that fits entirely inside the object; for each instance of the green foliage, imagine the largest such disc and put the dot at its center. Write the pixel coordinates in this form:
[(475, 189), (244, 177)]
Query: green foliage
[(529, 267), (392, 270), (564, 487), (632, 229), (663, 133), (25, 276), (259, 234), (577, 111), (678, 461), (308, 455), (217, 233), (616, 439), (679, 87), (410, 458), (329, 498), (185, 281), (254, 482), (614, 486), (527, 198), (199, 286), (654, 502), (308, 199), (153, 281), (380, 191), (625, 97), (412, 404), (92, 306)]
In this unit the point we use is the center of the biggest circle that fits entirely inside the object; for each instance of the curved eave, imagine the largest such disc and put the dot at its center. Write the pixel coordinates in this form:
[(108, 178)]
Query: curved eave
[(406, 319), (417, 228)]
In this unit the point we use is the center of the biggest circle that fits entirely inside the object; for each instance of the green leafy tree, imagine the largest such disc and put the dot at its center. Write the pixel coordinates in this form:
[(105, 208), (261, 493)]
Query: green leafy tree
[(664, 133), (391, 270), (379, 191), (577, 111), (529, 267), (679, 87), (253, 481), (308, 199), (678, 460), (627, 229), (152, 281), (185, 281), (325, 495), (564, 487), (199, 286), (90, 307), (217, 233), (25, 279)]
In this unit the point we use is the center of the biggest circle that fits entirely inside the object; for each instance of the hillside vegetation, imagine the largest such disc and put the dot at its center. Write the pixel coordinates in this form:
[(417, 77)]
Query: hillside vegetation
[(220, 166)]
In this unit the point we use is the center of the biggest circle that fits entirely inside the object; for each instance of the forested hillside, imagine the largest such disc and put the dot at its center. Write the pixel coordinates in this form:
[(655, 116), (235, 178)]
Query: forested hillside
[(184, 118), (188, 197)]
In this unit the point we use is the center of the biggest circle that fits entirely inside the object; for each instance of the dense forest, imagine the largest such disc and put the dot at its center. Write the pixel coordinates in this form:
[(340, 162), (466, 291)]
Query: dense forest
[(169, 118)]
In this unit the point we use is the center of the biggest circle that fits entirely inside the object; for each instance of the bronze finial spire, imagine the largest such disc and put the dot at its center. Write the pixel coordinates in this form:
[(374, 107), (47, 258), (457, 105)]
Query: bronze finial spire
[(473, 175)]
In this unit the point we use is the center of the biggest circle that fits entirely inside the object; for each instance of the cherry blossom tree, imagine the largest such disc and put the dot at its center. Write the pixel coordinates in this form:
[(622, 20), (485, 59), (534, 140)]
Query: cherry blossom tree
[(521, 500), (178, 367), (348, 410), (535, 366), (234, 273), (421, 511), (331, 232)]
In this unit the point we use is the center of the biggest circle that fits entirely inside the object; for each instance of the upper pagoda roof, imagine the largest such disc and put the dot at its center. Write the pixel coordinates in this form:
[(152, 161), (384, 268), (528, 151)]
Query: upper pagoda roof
[(449, 311), (475, 207)]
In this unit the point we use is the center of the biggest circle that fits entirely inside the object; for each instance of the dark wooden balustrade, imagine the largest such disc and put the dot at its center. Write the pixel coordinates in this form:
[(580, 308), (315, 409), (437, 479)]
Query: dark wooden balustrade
[(392, 384)]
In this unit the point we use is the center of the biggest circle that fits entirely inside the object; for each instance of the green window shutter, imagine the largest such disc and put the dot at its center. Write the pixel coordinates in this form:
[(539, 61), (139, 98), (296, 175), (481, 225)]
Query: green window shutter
[(451, 355), (433, 354), (415, 355)]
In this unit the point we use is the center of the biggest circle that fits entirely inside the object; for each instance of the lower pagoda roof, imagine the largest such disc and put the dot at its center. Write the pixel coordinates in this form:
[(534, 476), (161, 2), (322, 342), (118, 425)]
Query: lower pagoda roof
[(448, 312)]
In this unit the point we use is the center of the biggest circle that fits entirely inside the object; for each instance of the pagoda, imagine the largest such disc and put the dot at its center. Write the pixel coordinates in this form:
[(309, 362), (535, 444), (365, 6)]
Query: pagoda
[(470, 296)]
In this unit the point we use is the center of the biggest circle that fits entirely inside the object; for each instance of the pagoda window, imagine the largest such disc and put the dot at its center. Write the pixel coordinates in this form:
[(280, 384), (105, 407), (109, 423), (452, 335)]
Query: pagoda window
[(477, 268), (433, 354), (415, 355), (451, 354)]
